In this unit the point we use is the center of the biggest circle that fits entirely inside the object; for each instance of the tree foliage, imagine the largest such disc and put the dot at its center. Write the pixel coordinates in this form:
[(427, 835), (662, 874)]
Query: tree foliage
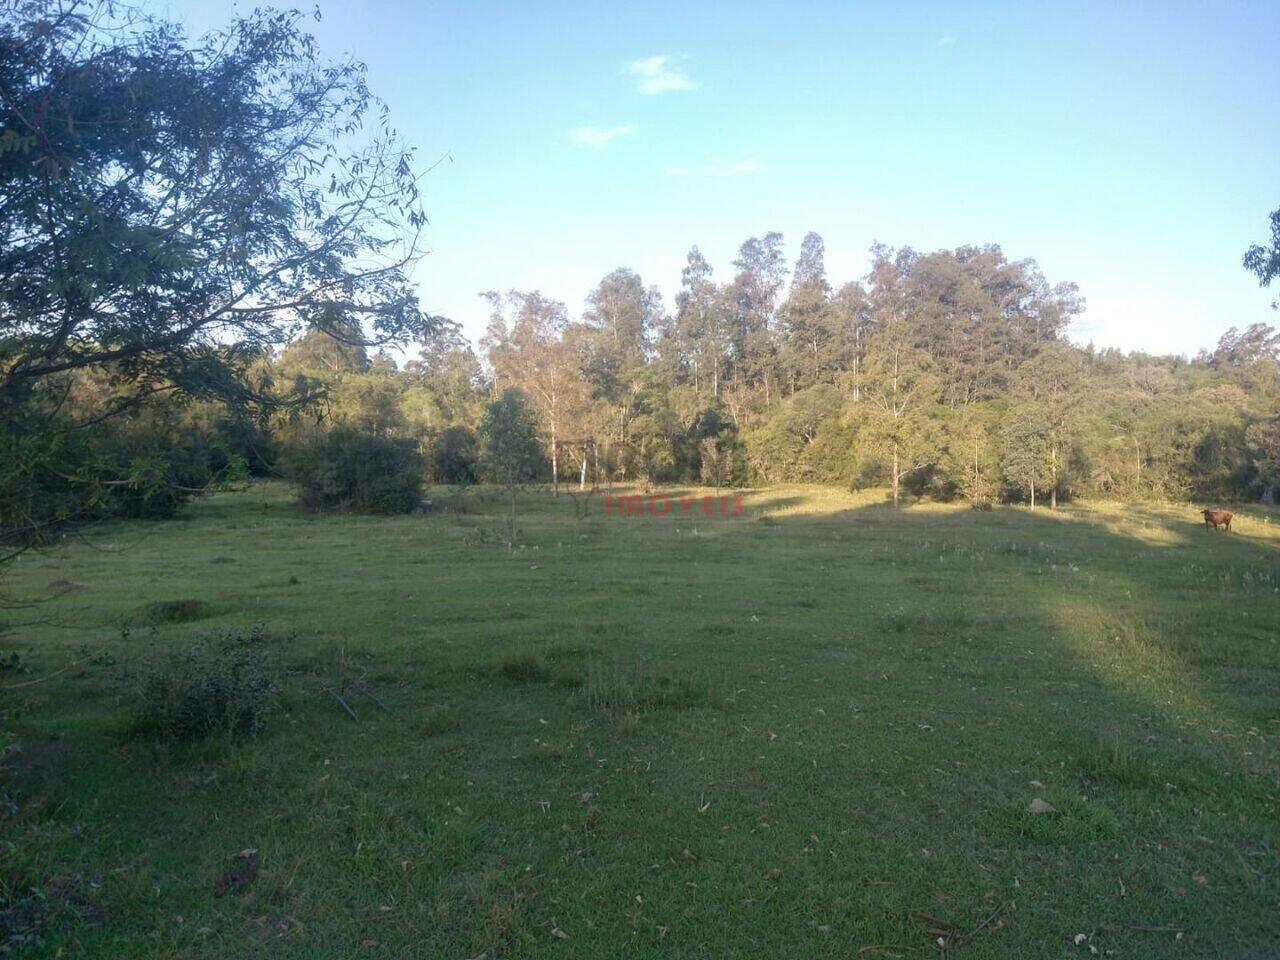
[(345, 469), (509, 450), (922, 373), (173, 208), (1263, 259)]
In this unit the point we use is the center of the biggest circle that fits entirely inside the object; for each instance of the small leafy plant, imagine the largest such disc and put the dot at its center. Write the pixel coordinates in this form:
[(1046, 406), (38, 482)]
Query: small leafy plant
[(217, 686)]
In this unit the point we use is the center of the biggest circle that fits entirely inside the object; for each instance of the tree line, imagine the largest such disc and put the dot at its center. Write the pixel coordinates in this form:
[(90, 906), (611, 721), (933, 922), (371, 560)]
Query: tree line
[(944, 374), (205, 253)]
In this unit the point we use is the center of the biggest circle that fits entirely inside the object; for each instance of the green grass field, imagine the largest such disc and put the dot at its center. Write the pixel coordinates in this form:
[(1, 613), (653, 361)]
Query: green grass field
[(814, 730)]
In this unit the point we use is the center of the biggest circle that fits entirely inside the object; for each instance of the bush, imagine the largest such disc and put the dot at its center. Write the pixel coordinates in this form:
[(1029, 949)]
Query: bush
[(218, 687), (455, 457), (143, 464), (345, 469), (176, 611), (509, 450), (523, 666)]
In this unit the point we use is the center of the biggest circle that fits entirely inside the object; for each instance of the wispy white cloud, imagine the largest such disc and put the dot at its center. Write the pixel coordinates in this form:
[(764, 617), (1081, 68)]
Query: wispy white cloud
[(659, 74), (601, 137), (716, 168)]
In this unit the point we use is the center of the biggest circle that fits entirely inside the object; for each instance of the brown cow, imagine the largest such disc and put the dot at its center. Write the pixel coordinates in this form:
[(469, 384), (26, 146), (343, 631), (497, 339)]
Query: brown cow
[(1217, 518)]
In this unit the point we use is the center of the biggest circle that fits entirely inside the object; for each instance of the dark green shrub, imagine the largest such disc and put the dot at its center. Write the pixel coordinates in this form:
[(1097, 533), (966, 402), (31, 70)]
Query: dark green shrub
[(344, 469), (455, 457), (176, 611), (439, 720), (145, 463), (165, 455), (509, 450), (523, 666), (218, 686)]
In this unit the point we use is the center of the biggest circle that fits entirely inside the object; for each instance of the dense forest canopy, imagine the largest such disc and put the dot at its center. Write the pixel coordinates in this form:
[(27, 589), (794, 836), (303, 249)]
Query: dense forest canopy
[(947, 374), (204, 250)]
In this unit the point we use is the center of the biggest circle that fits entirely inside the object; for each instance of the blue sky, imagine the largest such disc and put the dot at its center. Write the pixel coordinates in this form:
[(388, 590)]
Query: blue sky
[(1130, 147)]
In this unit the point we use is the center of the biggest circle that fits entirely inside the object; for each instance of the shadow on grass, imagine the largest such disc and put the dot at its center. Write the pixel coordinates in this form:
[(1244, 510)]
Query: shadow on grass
[(1151, 612)]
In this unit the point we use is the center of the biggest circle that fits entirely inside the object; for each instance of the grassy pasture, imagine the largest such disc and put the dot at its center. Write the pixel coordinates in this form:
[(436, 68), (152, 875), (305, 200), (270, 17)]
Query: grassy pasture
[(811, 731)]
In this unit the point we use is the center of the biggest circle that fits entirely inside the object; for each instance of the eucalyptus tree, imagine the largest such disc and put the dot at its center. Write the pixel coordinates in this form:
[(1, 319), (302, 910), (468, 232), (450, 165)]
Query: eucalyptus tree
[(850, 322), (1025, 452), (509, 451), (753, 296), (621, 319), (1263, 259), (528, 349), (1055, 380), (806, 317), (899, 385), (700, 323)]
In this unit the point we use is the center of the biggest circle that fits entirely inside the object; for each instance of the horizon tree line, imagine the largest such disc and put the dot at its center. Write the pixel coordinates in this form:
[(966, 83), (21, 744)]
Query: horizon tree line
[(945, 374)]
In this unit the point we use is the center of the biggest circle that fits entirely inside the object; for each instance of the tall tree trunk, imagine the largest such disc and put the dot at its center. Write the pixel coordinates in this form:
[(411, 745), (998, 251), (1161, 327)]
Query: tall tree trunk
[(1053, 469), (857, 365), (896, 476), (582, 477), (974, 490), (1033, 494), (555, 465)]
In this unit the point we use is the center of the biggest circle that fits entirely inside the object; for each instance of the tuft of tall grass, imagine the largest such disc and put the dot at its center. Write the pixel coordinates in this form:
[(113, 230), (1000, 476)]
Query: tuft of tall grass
[(186, 610), (620, 689), (1114, 762), (524, 666), (439, 720)]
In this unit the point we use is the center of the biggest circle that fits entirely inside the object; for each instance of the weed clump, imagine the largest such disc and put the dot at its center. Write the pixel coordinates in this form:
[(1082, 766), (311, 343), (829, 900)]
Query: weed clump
[(439, 720), (618, 689), (524, 666), (176, 611), (219, 686), (1114, 762)]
